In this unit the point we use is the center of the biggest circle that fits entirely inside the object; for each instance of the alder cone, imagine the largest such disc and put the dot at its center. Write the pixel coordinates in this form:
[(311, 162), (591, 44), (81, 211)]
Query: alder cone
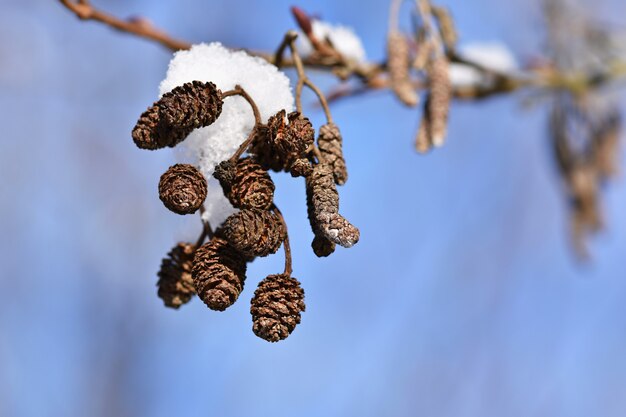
[(302, 132), (276, 307), (182, 189), (285, 140), (175, 285), (145, 133), (323, 208), (219, 273), (150, 134), (191, 106), (254, 232), (330, 143), (246, 184)]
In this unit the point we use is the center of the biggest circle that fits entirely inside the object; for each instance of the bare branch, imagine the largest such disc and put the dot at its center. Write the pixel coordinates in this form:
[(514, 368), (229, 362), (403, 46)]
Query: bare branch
[(136, 26)]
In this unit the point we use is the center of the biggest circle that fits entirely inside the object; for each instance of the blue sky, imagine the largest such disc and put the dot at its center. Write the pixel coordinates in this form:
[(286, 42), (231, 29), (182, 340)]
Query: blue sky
[(461, 299)]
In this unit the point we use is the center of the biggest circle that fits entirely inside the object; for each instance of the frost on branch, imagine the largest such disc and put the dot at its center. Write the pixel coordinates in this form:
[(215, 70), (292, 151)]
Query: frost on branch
[(213, 144)]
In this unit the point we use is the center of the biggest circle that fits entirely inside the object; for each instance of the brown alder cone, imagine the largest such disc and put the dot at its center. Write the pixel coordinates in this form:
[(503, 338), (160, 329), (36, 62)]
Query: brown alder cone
[(323, 208), (330, 144), (440, 96), (246, 184), (254, 232), (322, 247), (276, 307), (149, 133), (182, 189), (284, 141), (219, 273), (190, 106), (398, 64), (175, 285)]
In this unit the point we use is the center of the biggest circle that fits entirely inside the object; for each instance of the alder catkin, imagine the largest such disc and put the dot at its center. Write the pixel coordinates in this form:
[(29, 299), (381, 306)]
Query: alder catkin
[(398, 64), (301, 167), (446, 27), (322, 247), (331, 147), (254, 232), (246, 184), (439, 99), (190, 106), (219, 273), (182, 189), (423, 140), (175, 284), (323, 208), (276, 307)]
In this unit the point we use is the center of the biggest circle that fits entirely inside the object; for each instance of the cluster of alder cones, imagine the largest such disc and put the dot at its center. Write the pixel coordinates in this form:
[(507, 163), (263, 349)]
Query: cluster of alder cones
[(216, 270)]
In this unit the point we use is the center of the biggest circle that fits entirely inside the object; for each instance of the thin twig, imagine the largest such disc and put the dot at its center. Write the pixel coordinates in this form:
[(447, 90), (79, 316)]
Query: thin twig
[(207, 231), (239, 91), (140, 27), (290, 39), (286, 246)]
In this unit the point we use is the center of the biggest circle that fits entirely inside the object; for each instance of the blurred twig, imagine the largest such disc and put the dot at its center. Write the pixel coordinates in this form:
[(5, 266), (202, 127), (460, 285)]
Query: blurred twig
[(137, 26)]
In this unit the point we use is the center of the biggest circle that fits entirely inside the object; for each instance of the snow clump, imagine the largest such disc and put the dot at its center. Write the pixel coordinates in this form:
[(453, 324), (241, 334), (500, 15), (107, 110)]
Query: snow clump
[(492, 55), (208, 146), (343, 38)]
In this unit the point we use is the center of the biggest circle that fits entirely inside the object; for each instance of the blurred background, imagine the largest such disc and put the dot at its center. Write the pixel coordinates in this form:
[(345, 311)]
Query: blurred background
[(463, 297)]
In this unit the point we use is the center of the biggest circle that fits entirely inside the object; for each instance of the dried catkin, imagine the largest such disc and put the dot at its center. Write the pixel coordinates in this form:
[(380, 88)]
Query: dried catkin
[(219, 273), (301, 168), (398, 64), (182, 189), (175, 285), (190, 106), (330, 144), (322, 247), (246, 184), (423, 140), (446, 27), (276, 307), (254, 232), (323, 208), (285, 140), (440, 96)]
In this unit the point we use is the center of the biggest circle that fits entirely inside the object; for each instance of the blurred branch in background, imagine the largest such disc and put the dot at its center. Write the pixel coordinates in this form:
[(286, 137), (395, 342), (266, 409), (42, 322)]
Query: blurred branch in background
[(585, 123), (580, 60)]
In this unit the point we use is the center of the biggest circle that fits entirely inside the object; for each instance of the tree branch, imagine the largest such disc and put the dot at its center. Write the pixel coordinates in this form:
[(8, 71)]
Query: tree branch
[(136, 26)]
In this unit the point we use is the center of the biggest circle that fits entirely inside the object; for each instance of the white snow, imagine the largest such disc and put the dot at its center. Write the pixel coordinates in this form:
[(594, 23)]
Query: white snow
[(343, 39), (208, 146), (493, 55)]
